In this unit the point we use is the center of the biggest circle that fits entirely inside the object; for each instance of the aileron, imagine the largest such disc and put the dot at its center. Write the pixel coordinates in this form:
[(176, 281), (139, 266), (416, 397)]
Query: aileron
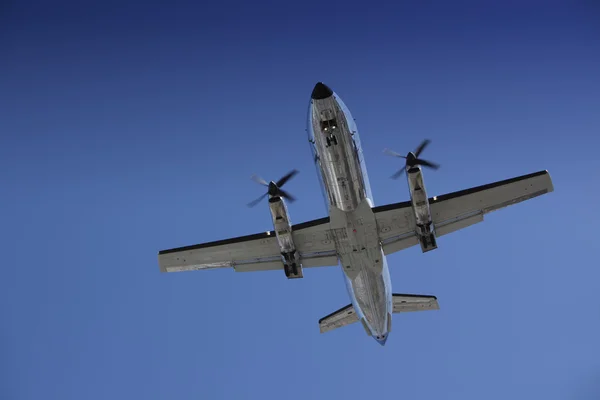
[(254, 249)]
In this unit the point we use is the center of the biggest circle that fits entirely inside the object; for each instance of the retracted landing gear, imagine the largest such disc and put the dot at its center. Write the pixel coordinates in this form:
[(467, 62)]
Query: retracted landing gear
[(332, 139), (427, 238), (291, 267), (293, 271)]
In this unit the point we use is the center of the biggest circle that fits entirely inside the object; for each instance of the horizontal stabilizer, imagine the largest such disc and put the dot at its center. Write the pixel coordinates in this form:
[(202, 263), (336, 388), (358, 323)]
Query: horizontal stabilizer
[(342, 317), (401, 303), (413, 302)]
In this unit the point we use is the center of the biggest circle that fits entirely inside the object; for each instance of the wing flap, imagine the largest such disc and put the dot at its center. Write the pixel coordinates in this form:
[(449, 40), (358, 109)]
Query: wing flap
[(413, 302), (457, 224), (314, 244), (337, 319), (400, 243), (328, 259), (313, 237), (395, 226), (274, 265)]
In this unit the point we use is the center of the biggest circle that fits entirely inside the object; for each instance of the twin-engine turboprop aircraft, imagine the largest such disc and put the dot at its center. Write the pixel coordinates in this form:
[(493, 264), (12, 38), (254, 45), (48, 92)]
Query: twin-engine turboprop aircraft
[(356, 235)]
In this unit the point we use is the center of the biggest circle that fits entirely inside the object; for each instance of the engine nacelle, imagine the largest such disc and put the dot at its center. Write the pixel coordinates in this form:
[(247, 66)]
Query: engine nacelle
[(283, 230), (420, 206)]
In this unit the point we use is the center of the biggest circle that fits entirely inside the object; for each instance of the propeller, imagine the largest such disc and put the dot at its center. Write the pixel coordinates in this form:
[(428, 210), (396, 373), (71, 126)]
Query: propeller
[(274, 188), (412, 159)]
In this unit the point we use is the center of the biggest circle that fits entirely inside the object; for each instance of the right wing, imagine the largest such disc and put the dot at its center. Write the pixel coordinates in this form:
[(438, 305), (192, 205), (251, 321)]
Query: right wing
[(258, 252)]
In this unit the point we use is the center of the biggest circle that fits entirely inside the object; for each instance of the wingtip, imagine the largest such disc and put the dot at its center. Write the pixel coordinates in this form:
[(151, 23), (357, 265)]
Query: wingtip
[(550, 183)]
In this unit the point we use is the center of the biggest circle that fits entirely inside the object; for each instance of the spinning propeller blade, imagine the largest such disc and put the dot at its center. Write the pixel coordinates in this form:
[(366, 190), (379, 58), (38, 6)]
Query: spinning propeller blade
[(274, 188), (412, 159)]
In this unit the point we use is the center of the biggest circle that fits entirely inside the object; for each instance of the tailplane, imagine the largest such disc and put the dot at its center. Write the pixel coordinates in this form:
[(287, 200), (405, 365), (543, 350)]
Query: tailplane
[(401, 303), (413, 302), (342, 317)]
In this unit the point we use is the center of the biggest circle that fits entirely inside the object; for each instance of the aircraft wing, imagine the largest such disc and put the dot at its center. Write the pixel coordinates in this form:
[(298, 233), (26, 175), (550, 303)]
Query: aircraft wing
[(457, 210), (396, 226), (258, 252), (453, 211), (413, 302)]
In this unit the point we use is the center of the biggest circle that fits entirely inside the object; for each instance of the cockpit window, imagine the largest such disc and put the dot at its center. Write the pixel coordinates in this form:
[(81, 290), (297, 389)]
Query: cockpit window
[(328, 125)]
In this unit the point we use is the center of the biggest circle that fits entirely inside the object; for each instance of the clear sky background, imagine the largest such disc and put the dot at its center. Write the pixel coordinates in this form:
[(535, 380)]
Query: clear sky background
[(127, 128)]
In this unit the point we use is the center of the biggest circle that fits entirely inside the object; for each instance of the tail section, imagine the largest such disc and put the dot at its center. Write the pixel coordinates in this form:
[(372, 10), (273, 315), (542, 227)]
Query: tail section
[(413, 302), (401, 303), (337, 319)]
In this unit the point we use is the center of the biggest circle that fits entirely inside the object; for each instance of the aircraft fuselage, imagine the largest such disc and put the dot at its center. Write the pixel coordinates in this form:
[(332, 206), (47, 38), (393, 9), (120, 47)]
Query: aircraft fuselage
[(343, 175)]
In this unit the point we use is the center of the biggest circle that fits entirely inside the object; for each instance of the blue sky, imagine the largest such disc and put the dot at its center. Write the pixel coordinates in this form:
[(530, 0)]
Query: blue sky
[(130, 128)]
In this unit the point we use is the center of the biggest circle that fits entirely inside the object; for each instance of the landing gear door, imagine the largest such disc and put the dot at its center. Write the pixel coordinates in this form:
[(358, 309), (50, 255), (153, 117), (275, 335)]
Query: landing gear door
[(327, 114)]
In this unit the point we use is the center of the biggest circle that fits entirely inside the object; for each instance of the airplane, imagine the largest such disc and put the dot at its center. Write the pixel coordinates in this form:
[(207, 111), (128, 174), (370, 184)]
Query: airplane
[(356, 235)]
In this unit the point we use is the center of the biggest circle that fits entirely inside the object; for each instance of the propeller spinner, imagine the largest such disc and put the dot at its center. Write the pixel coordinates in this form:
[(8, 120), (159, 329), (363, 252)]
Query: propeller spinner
[(274, 188), (412, 159)]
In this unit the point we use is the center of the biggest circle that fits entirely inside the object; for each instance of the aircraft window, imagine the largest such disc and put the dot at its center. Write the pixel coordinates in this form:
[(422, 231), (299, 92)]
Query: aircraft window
[(329, 124)]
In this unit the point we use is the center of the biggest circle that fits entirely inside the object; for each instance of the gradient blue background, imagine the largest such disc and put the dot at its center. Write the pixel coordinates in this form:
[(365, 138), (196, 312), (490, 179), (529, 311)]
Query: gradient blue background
[(128, 128)]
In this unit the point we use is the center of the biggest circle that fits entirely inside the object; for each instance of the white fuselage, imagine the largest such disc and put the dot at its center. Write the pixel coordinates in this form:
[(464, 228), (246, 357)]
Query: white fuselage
[(340, 164)]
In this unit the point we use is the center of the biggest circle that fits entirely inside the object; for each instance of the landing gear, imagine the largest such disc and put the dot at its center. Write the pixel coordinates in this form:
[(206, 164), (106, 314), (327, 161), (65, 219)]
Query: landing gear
[(291, 266), (331, 139), (427, 238), (291, 271)]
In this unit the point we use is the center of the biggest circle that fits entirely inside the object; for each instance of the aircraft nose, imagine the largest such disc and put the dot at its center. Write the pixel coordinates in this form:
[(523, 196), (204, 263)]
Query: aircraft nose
[(321, 91)]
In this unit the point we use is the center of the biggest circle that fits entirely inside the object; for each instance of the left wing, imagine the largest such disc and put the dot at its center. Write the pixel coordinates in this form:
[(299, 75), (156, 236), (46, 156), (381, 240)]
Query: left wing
[(396, 226), (457, 210), (258, 252)]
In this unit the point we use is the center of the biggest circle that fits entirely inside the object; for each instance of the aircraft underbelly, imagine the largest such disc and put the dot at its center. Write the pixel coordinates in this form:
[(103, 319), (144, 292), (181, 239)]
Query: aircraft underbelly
[(370, 296), (353, 226), (363, 263), (337, 155)]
